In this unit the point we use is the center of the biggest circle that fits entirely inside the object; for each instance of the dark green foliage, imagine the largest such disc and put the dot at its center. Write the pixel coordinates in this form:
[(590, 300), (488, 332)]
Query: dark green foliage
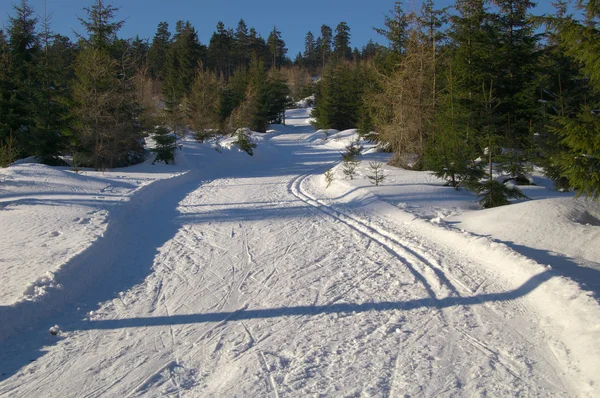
[(166, 144), (339, 97), (396, 26), (182, 58), (493, 193), (23, 50), (158, 51), (578, 127), (352, 151), (100, 25), (580, 164), (244, 141), (323, 44), (220, 51), (277, 49), (341, 42), (8, 151), (107, 129), (51, 120)]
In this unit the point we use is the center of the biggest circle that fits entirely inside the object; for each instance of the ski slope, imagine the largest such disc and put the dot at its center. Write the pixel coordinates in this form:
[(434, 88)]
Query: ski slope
[(243, 276)]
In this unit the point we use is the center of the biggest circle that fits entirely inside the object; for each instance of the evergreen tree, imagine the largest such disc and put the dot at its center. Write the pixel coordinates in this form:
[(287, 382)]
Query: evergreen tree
[(157, 53), (277, 49), (241, 45), (396, 25), (369, 50), (325, 44), (220, 51), (580, 129), (23, 52), (341, 42), (101, 29), (310, 53), (165, 147), (338, 97), (108, 133), (5, 92), (185, 52), (258, 47), (203, 101), (51, 116)]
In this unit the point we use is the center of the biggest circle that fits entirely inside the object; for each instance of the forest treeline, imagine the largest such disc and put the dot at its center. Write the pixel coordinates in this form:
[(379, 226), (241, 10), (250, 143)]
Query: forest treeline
[(479, 93), (472, 91)]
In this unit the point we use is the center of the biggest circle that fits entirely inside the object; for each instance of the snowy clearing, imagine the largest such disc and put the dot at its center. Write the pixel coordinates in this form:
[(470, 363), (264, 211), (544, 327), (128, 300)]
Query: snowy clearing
[(230, 275)]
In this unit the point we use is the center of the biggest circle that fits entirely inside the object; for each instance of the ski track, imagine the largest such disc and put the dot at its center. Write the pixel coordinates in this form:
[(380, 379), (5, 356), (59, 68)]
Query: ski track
[(259, 240)]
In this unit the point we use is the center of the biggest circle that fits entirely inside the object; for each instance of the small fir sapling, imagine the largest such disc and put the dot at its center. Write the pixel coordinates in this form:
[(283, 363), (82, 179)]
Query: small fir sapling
[(165, 145), (378, 176), (349, 168), (243, 141), (328, 178)]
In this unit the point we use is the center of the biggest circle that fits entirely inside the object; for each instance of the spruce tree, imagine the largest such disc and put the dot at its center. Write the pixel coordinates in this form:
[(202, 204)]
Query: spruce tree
[(325, 44), (277, 49), (185, 52), (203, 102), (241, 45), (516, 60), (220, 51), (108, 132), (23, 51), (52, 99), (338, 97), (396, 26), (157, 53), (310, 53), (341, 42), (579, 130)]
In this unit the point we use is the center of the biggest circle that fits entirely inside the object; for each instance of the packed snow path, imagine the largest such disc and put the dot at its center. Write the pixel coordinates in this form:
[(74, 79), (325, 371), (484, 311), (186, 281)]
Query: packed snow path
[(235, 279)]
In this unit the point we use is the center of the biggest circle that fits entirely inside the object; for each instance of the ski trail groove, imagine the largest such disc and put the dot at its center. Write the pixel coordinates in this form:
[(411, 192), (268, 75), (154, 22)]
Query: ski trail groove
[(393, 247)]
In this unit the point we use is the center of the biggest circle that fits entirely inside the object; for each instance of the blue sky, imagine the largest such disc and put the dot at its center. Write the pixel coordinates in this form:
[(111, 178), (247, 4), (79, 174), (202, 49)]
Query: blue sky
[(293, 18)]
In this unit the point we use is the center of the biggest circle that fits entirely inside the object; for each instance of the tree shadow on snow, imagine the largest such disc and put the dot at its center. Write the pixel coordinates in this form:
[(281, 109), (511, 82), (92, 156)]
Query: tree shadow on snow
[(310, 310)]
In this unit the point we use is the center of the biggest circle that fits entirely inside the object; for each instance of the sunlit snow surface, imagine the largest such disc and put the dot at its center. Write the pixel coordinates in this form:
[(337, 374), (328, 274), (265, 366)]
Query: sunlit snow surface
[(230, 275)]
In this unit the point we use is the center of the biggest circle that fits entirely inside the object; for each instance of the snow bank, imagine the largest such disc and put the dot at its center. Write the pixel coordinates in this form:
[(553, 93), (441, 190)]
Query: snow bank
[(51, 214), (540, 243)]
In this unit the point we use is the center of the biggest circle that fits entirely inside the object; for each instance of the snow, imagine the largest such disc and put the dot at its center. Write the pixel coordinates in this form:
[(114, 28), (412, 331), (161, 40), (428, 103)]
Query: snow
[(231, 275), (49, 215)]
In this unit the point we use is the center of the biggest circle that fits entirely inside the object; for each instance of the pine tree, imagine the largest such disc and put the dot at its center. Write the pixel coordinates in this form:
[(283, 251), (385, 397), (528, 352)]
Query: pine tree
[(220, 51), (277, 49), (516, 58), (310, 53), (579, 130), (396, 25), (157, 53), (51, 116), (23, 51), (185, 52), (258, 47), (166, 145), (203, 102), (338, 97), (108, 132), (325, 44), (6, 91), (241, 45), (341, 42)]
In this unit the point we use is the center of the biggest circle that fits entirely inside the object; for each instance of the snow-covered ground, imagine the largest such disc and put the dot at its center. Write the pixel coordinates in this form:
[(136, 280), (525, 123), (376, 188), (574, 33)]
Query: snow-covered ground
[(230, 275)]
